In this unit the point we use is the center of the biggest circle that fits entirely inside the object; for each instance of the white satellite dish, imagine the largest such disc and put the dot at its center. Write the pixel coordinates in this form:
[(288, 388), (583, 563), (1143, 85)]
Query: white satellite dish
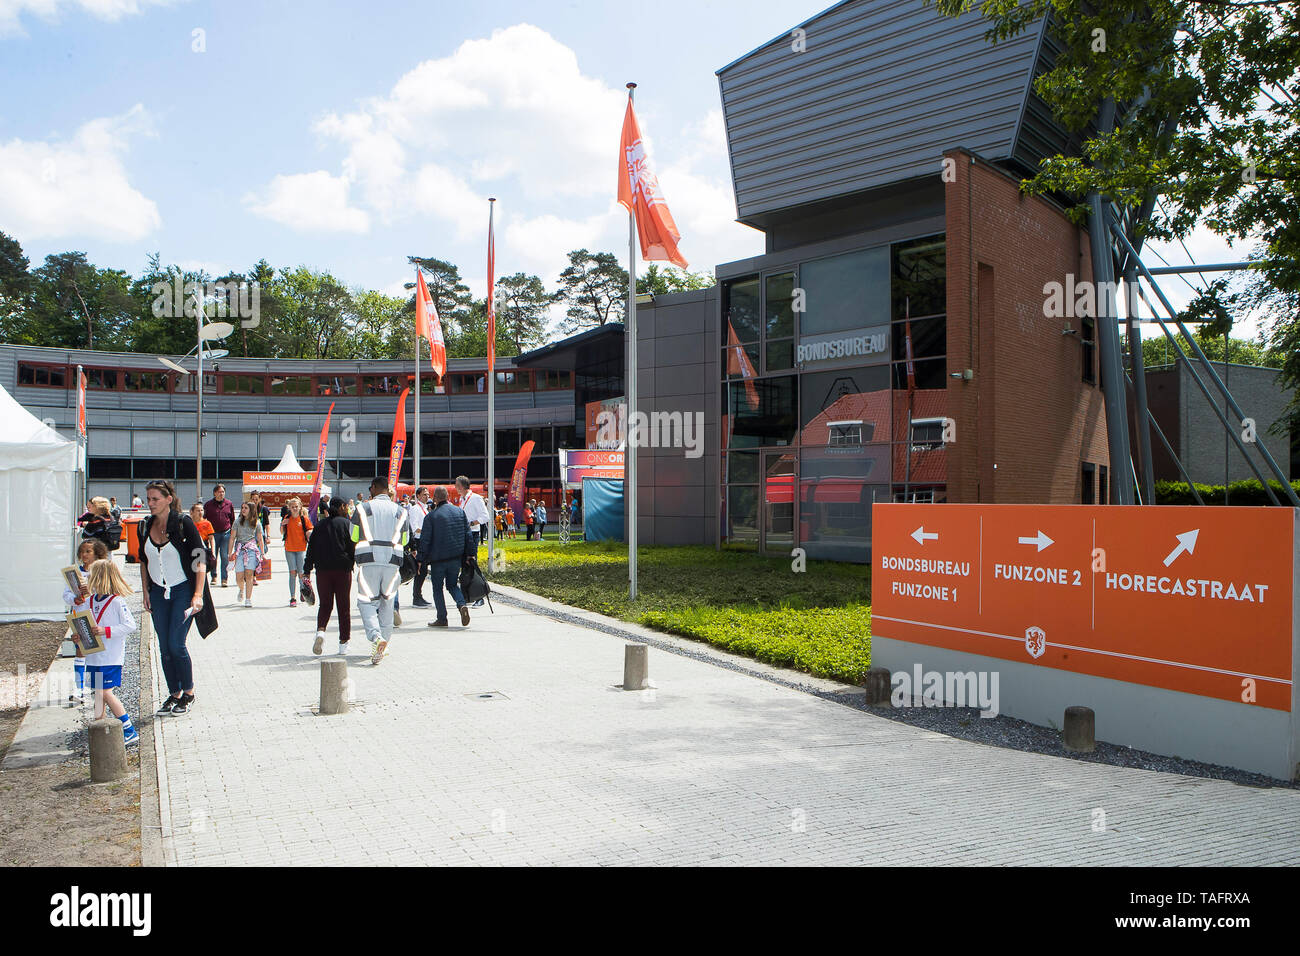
[(172, 365), (215, 354), (216, 330)]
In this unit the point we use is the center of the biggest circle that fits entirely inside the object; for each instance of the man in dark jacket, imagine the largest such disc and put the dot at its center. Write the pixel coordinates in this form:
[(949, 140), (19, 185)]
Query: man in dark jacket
[(445, 545)]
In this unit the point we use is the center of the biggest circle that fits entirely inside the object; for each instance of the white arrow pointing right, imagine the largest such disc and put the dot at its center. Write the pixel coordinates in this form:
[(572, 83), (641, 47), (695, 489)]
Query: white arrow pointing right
[(1039, 539), (1186, 542), (922, 536)]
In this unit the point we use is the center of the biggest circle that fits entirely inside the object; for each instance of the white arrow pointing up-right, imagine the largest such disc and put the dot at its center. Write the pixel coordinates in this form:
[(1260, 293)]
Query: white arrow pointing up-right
[(1186, 542)]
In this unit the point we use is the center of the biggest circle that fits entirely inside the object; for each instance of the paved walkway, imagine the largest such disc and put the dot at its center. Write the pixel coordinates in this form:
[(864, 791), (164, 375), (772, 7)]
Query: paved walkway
[(563, 767)]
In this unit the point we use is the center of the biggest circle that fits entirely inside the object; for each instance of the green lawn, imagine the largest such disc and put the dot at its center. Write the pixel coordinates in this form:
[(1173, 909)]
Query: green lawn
[(818, 621)]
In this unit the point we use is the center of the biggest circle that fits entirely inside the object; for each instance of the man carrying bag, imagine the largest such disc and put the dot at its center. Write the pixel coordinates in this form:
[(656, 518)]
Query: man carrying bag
[(447, 544)]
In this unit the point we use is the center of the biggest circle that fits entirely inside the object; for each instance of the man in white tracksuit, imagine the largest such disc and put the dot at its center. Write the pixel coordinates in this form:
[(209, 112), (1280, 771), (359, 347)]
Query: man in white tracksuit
[(379, 528)]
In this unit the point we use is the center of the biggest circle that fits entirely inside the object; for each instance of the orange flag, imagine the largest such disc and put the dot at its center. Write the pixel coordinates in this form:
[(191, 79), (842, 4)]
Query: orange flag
[(638, 191), (427, 324), (738, 363)]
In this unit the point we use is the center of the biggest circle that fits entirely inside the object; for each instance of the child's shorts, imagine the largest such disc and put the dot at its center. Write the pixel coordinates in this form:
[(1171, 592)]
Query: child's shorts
[(247, 559), (103, 677)]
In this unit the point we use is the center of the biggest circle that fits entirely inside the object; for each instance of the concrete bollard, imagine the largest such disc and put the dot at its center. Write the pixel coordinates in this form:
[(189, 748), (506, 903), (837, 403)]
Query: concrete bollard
[(1080, 733), (107, 750), (333, 687), (636, 667), (878, 687)]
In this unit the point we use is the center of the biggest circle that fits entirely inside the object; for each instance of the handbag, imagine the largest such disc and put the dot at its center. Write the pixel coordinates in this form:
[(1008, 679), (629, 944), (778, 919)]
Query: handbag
[(473, 584), (264, 570), (304, 587), (408, 566)]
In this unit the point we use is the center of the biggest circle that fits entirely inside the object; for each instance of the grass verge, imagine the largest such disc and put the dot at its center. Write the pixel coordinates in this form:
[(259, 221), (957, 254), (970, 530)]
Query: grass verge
[(818, 621)]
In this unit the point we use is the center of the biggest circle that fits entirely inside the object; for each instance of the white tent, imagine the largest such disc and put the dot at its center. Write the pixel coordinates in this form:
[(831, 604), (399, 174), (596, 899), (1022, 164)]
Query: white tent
[(38, 474)]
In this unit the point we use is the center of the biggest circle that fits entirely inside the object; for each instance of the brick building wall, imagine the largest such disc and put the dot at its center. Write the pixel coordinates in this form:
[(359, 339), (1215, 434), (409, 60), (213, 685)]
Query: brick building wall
[(1026, 421)]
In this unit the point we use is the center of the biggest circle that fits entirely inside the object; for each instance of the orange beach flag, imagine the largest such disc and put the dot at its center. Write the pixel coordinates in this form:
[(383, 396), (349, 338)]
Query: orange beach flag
[(638, 191), (427, 324)]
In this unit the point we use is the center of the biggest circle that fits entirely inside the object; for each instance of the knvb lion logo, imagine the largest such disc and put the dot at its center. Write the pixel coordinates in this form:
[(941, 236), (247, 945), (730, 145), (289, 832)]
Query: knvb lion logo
[(1035, 641), (643, 180)]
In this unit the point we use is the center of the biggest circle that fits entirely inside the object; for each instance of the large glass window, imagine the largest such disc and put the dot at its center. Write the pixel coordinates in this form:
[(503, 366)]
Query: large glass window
[(336, 385), (920, 277), (105, 378), (849, 291), (779, 321), (742, 517), (291, 385), (835, 497), (845, 395), (467, 442), (252, 385), (761, 412), (145, 381)]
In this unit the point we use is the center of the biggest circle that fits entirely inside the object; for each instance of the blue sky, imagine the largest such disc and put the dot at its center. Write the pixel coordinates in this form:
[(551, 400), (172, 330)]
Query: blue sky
[(345, 135)]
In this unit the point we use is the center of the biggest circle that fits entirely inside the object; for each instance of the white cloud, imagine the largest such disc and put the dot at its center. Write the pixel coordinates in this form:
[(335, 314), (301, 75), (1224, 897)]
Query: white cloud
[(310, 202), (513, 116), (54, 190), (11, 11)]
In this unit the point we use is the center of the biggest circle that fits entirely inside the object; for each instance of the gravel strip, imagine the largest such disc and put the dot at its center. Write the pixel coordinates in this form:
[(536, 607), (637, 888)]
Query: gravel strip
[(963, 723)]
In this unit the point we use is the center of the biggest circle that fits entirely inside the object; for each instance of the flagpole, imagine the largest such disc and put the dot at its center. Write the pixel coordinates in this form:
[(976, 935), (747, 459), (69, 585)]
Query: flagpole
[(490, 486), (417, 409), (629, 453)]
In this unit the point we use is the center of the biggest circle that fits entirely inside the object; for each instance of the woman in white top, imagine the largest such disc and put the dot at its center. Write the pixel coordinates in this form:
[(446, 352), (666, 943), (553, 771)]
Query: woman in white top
[(173, 564)]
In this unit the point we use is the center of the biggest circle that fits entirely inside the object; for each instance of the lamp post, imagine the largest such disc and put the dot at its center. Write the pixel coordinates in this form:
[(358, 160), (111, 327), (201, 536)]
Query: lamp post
[(206, 333)]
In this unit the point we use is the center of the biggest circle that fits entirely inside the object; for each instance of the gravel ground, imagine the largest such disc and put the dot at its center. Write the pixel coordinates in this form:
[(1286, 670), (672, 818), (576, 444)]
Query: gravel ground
[(964, 722)]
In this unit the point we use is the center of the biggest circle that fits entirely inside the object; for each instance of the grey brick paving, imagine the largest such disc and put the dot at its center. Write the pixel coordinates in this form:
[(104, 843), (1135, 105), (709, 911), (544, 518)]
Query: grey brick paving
[(712, 768)]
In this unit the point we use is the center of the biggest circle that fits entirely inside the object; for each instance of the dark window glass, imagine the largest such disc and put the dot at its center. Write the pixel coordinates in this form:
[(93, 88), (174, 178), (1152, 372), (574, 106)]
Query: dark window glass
[(507, 441), (460, 383), (740, 311), (1103, 485), (849, 291), (517, 381), (742, 467), (144, 381), (742, 516), (389, 384), (468, 443), (544, 439), (780, 354), (762, 412), (248, 385), (568, 436), (27, 375), (836, 492), (105, 378), (105, 468), (930, 373), (232, 470), (471, 468), (920, 275), (336, 385), (779, 311), (551, 379), (437, 444), (291, 385), (188, 383), (734, 360), (151, 468), (1088, 476), (359, 469), (929, 338)]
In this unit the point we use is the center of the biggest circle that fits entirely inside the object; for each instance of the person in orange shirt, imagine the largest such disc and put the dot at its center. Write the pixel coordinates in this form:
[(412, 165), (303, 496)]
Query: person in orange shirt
[(206, 532), (295, 529)]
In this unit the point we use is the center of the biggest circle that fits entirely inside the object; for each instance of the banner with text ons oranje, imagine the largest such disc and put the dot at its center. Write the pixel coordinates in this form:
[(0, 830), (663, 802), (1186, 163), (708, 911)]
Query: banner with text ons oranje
[(1190, 599)]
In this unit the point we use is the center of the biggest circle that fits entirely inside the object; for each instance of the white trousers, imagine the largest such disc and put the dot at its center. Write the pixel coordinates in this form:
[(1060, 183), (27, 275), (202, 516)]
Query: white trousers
[(377, 579)]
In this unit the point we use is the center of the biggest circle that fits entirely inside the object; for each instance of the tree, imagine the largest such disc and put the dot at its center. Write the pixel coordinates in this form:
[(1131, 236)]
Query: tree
[(318, 315), (655, 281), (15, 285), (594, 286), (75, 305), (1157, 350), (381, 322), (1209, 119), (522, 302)]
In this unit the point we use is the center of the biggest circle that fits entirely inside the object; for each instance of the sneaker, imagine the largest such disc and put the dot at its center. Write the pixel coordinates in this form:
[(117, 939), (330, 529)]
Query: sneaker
[(397, 618), (478, 603), (167, 707), (223, 584), (183, 705), (319, 644), (464, 615), (248, 602), (293, 602), (343, 648), (378, 655), (441, 622), (132, 738), (421, 602)]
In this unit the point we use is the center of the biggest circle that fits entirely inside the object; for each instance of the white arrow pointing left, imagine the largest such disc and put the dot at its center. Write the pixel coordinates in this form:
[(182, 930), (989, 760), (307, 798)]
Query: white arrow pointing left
[(922, 536), (1039, 539), (1186, 542)]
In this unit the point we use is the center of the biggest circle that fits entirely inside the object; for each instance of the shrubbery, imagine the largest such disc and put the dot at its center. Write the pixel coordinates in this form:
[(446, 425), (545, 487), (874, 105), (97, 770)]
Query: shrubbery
[(1246, 492)]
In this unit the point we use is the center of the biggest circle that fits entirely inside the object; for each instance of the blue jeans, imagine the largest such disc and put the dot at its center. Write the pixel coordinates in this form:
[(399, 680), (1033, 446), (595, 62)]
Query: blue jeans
[(220, 545), (173, 626), (448, 573)]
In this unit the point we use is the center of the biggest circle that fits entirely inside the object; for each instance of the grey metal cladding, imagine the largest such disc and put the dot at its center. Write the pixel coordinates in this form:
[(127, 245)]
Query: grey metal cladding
[(883, 88), (1040, 135)]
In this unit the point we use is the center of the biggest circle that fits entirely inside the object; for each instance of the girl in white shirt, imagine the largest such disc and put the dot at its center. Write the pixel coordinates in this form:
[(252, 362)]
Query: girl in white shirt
[(88, 552), (113, 621)]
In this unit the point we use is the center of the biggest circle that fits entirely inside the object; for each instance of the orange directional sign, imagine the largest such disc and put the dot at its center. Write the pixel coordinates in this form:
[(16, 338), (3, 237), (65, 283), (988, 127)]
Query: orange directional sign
[(1197, 600)]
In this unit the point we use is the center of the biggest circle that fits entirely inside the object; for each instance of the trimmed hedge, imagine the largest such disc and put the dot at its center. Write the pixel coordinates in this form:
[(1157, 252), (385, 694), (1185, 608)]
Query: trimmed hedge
[(1245, 492)]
